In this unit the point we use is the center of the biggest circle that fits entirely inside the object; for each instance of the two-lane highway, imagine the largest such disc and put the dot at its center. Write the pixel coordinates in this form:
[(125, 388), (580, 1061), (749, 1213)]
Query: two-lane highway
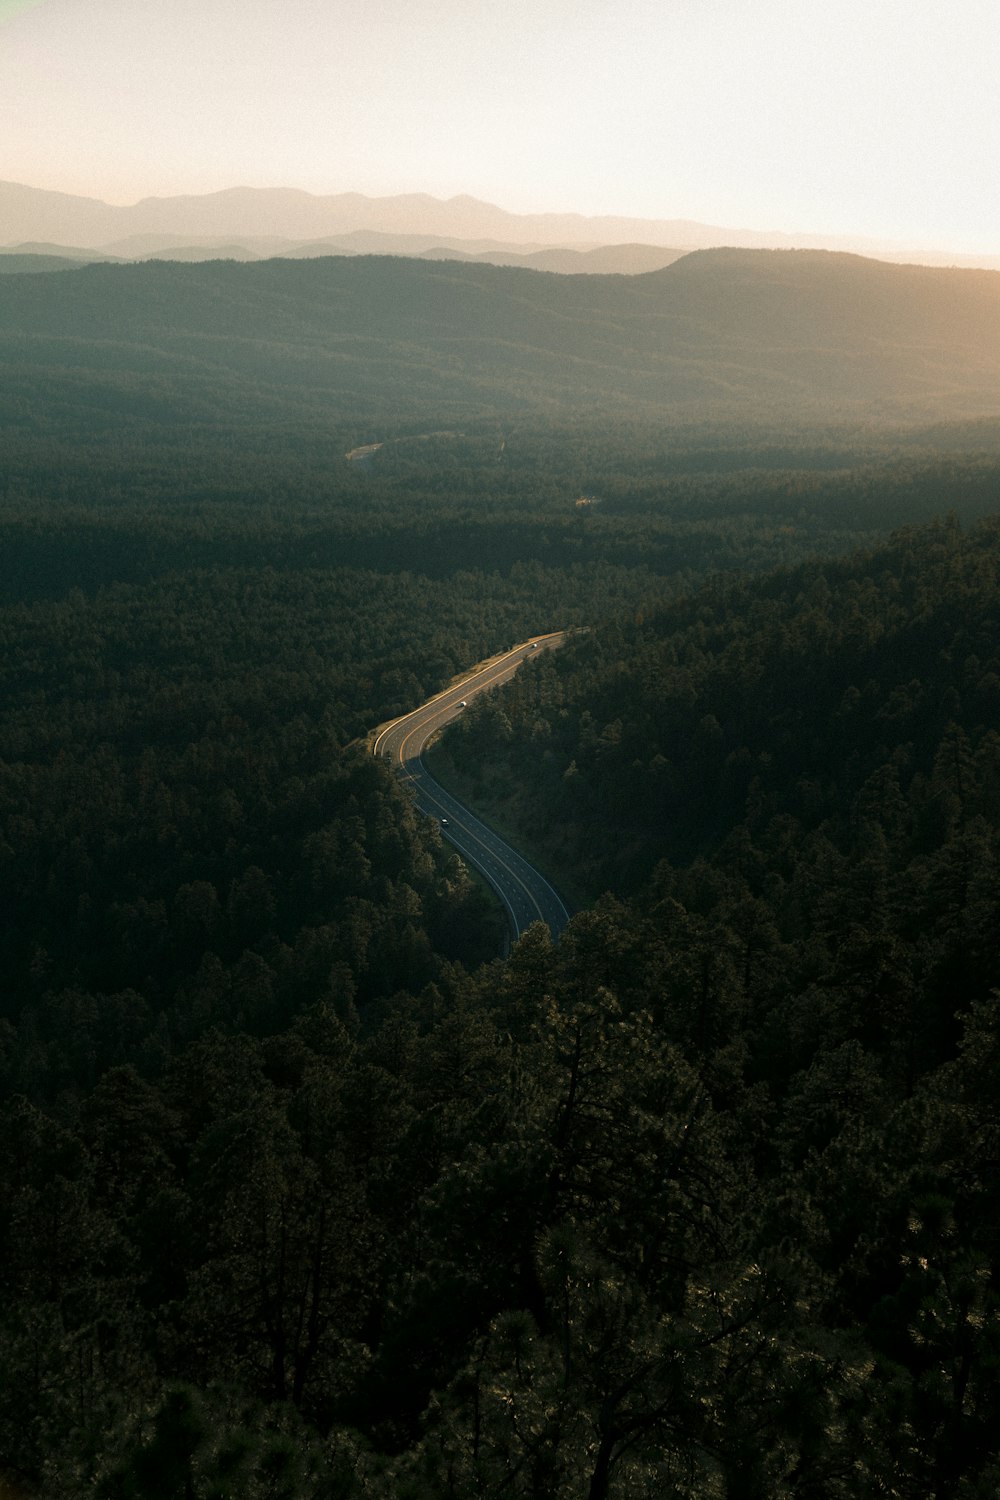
[(525, 893)]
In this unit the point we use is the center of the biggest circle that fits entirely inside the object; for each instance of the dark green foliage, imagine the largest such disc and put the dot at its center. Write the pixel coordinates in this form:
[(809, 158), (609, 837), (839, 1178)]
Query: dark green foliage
[(302, 1192)]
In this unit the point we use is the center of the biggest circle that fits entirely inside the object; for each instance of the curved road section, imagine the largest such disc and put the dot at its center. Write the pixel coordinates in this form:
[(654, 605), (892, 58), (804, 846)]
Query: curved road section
[(525, 893)]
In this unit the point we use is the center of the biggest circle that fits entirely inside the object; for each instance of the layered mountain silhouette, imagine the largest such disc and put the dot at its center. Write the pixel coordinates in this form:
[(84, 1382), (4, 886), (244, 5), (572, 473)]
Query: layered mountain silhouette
[(247, 223), (602, 260), (28, 213), (760, 333)]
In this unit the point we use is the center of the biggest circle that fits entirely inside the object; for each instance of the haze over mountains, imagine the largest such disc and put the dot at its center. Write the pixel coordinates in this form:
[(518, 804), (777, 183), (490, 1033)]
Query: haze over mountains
[(622, 260), (763, 334), (249, 223)]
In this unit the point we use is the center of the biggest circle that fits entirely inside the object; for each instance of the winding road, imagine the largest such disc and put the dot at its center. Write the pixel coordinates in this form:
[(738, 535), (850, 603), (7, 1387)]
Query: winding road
[(525, 893)]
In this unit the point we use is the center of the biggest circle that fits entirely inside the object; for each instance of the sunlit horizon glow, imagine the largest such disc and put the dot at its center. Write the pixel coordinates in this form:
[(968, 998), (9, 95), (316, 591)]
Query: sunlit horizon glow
[(843, 118)]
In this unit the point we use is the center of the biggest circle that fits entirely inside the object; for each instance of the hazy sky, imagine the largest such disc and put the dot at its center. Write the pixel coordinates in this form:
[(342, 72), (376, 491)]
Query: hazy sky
[(873, 117)]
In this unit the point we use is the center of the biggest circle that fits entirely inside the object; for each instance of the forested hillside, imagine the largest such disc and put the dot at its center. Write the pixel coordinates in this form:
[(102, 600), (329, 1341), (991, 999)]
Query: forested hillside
[(302, 1198), (754, 335), (303, 1192)]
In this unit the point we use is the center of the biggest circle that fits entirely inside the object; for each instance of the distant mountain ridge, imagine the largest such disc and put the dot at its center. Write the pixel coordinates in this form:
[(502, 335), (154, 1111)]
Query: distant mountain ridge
[(602, 260), (762, 334), (242, 216)]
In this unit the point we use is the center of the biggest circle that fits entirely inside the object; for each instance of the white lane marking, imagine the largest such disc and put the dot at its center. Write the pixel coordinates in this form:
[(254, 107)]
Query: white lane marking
[(495, 673), (525, 647)]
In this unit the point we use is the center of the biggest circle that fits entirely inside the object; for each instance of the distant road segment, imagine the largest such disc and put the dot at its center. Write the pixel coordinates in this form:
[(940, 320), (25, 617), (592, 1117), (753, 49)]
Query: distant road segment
[(525, 893)]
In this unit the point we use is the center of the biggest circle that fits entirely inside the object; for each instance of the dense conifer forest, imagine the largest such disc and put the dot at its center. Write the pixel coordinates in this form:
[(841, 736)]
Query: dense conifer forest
[(305, 1193), (725, 334)]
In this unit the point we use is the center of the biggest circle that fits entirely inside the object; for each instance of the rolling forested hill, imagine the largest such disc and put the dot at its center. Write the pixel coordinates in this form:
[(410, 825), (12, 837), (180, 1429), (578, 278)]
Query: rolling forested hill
[(304, 1194), (300, 1199), (754, 334)]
